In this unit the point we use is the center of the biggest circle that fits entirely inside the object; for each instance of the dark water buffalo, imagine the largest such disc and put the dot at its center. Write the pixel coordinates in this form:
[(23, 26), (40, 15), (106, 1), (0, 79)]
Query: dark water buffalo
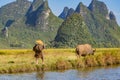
[(84, 49)]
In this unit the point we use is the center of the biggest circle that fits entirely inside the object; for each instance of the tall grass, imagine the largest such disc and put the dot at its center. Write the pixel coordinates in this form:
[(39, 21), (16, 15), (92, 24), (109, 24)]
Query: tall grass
[(22, 60)]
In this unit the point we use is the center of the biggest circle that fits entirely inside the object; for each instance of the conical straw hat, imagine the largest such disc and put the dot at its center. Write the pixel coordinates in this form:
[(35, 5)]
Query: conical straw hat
[(39, 42)]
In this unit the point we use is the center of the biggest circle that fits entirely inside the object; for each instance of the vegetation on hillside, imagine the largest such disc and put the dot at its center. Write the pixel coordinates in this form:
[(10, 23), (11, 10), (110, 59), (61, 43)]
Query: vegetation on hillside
[(23, 22), (73, 31), (101, 24), (21, 35)]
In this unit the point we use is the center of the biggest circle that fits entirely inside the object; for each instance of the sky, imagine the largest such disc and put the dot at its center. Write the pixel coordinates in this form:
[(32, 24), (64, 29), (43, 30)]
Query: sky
[(57, 6)]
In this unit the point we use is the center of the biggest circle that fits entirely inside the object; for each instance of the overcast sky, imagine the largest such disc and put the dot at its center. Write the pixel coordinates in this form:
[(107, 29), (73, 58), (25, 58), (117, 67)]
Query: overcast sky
[(57, 6)]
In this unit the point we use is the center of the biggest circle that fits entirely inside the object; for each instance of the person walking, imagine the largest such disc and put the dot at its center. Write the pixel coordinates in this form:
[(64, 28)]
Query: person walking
[(38, 48)]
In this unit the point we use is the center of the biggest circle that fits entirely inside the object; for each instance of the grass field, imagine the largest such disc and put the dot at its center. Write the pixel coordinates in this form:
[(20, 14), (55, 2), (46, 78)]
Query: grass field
[(22, 60)]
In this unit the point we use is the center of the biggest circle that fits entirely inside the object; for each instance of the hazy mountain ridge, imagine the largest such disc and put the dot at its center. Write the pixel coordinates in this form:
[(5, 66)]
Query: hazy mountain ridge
[(66, 12), (14, 10), (101, 24), (20, 34), (22, 22)]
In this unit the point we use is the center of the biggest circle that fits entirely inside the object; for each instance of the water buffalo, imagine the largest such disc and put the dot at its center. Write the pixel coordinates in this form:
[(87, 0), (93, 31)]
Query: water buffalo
[(84, 49)]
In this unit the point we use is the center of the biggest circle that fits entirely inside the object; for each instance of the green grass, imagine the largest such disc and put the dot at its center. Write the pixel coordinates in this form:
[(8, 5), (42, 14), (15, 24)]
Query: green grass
[(22, 60)]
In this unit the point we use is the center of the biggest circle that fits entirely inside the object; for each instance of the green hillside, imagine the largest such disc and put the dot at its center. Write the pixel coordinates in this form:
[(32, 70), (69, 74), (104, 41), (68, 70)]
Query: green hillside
[(23, 22), (73, 31), (22, 35), (100, 22)]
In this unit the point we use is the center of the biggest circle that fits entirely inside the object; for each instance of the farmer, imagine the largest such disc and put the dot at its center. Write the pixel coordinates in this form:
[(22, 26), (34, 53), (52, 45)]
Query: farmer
[(39, 46)]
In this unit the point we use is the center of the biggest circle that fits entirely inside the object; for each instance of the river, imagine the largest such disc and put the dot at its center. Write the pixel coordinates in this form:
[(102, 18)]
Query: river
[(94, 73)]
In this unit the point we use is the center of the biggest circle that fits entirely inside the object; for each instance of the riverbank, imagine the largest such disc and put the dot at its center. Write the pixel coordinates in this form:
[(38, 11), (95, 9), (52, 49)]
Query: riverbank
[(15, 61)]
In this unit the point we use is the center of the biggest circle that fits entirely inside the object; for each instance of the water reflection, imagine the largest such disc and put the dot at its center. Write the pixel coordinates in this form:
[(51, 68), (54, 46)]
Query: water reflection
[(94, 73), (40, 75)]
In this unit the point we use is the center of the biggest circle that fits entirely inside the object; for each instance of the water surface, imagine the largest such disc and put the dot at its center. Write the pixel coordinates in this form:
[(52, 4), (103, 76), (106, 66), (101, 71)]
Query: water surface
[(103, 73)]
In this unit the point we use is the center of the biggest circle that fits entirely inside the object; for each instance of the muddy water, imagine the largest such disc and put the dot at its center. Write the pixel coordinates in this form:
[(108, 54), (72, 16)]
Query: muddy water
[(103, 73)]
